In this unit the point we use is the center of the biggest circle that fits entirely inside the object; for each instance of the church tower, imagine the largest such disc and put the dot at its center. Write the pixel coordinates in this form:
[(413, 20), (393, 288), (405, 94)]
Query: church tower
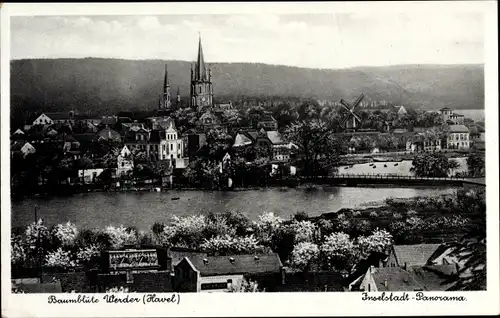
[(201, 83), (165, 100)]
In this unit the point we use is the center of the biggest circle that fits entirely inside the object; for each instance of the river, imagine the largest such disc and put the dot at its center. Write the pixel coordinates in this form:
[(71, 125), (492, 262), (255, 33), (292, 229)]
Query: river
[(142, 209)]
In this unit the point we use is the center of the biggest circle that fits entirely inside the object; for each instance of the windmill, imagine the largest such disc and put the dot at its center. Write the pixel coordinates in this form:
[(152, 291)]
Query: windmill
[(351, 120)]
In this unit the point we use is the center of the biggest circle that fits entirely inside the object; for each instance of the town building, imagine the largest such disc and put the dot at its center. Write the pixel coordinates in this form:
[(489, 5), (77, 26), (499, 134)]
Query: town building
[(219, 273), (43, 119), (450, 117), (411, 255), (458, 137), (125, 162), (108, 134), (22, 148), (423, 142), (87, 176), (268, 144), (201, 93), (268, 122)]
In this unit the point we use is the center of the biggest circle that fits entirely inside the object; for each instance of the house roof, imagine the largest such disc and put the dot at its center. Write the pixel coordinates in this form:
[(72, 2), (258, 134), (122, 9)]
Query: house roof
[(267, 117), (241, 140), (178, 254), (241, 264), (394, 279), (275, 137), (457, 115), (458, 129), (412, 255), (108, 133), (433, 278)]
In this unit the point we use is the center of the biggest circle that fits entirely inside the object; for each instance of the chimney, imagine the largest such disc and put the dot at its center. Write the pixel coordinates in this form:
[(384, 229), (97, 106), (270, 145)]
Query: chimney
[(205, 261), (231, 259), (256, 257)]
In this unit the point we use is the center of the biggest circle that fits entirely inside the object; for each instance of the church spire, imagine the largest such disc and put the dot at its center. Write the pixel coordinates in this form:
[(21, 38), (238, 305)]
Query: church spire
[(201, 70), (166, 84)]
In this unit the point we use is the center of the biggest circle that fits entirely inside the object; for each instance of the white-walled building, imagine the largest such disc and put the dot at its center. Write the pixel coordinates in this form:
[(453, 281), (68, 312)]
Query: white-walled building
[(458, 137), (125, 162)]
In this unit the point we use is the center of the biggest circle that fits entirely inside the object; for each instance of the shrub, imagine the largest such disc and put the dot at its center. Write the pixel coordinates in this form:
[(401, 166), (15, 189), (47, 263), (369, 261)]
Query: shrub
[(226, 245), (121, 236), (356, 213), (87, 237), (373, 214), (60, 259), (65, 234), (266, 225), (342, 224), (217, 225), (88, 254), (303, 230), (37, 236), (157, 228), (18, 255), (397, 216), (326, 226)]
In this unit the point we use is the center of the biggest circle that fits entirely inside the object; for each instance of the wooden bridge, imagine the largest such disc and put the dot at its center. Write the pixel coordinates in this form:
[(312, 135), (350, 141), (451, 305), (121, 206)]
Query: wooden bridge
[(394, 179)]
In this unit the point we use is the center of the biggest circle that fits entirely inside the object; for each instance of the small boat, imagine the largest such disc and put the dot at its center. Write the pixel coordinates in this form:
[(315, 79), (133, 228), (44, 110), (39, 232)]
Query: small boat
[(396, 164), (374, 166), (175, 198), (385, 166), (346, 168)]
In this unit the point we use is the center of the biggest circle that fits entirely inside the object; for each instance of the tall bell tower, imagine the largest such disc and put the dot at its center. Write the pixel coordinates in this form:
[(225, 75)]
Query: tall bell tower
[(166, 98), (201, 83)]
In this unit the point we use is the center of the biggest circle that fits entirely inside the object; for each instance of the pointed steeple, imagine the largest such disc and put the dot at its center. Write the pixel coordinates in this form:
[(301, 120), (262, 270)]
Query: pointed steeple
[(166, 83), (201, 70)]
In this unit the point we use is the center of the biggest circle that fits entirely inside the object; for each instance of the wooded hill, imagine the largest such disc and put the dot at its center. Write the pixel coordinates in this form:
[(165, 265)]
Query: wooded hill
[(111, 85)]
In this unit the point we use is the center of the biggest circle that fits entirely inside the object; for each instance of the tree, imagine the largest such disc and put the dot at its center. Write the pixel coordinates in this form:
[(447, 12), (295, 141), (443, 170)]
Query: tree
[(339, 252), (433, 165), (304, 254), (476, 165), (319, 148)]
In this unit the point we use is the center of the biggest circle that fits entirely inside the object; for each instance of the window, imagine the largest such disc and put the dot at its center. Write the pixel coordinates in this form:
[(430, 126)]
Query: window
[(213, 286), (171, 147)]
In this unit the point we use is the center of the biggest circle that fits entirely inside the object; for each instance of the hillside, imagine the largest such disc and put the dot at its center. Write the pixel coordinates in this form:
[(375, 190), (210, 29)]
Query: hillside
[(111, 85)]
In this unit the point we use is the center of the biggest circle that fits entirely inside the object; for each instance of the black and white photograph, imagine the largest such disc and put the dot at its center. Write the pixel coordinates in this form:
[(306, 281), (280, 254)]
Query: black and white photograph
[(264, 152)]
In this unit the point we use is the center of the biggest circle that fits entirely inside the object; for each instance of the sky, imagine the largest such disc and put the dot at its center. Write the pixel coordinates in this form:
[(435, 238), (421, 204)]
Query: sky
[(328, 41)]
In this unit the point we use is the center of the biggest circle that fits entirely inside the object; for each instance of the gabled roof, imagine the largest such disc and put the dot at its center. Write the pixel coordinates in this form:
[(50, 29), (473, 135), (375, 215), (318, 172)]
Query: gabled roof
[(18, 132), (394, 279), (241, 140), (241, 264), (458, 129), (433, 278), (412, 255), (275, 137)]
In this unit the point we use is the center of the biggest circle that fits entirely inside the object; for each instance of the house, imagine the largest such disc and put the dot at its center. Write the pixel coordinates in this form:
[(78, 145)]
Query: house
[(416, 278), (89, 175), (218, 273), (450, 117), (423, 142), (43, 119), (159, 122), (458, 137), (385, 279), (208, 120), (137, 138), (108, 134), (193, 142), (18, 135), (125, 162), (411, 255), (268, 123), (172, 146), (109, 120), (22, 148), (268, 144)]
